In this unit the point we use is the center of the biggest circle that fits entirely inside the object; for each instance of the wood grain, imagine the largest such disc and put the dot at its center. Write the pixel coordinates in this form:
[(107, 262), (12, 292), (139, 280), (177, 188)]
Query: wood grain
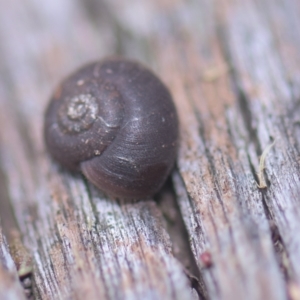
[(223, 66), (83, 245), (10, 287), (233, 68)]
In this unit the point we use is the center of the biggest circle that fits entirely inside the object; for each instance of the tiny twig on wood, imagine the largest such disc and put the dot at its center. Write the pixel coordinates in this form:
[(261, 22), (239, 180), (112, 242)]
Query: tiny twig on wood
[(261, 177)]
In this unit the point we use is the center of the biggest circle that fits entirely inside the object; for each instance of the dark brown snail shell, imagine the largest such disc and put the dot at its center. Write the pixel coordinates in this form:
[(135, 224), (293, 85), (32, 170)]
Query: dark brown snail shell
[(116, 122)]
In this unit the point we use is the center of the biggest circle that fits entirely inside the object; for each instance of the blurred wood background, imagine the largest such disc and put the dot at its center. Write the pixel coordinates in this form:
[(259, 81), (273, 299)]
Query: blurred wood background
[(233, 68)]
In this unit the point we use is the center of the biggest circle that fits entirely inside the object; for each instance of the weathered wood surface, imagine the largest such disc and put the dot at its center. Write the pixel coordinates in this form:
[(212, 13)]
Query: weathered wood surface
[(238, 114), (83, 245), (10, 287), (233, 68)]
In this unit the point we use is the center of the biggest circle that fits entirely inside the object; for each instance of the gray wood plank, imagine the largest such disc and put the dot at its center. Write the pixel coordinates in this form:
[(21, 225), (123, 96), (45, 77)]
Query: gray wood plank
[(83, 244), (10, 286), (233, 69)]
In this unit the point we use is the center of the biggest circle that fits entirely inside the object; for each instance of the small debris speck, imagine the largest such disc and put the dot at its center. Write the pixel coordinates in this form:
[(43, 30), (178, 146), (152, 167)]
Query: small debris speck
[(97, 152)]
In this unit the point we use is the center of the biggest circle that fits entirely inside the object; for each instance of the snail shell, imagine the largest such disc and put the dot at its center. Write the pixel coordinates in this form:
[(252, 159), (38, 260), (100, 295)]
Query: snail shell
[(116, 122)]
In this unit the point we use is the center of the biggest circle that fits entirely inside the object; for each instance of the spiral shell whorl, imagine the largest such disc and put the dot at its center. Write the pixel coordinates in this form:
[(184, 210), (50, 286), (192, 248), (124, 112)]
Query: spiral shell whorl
[(78, 113)]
